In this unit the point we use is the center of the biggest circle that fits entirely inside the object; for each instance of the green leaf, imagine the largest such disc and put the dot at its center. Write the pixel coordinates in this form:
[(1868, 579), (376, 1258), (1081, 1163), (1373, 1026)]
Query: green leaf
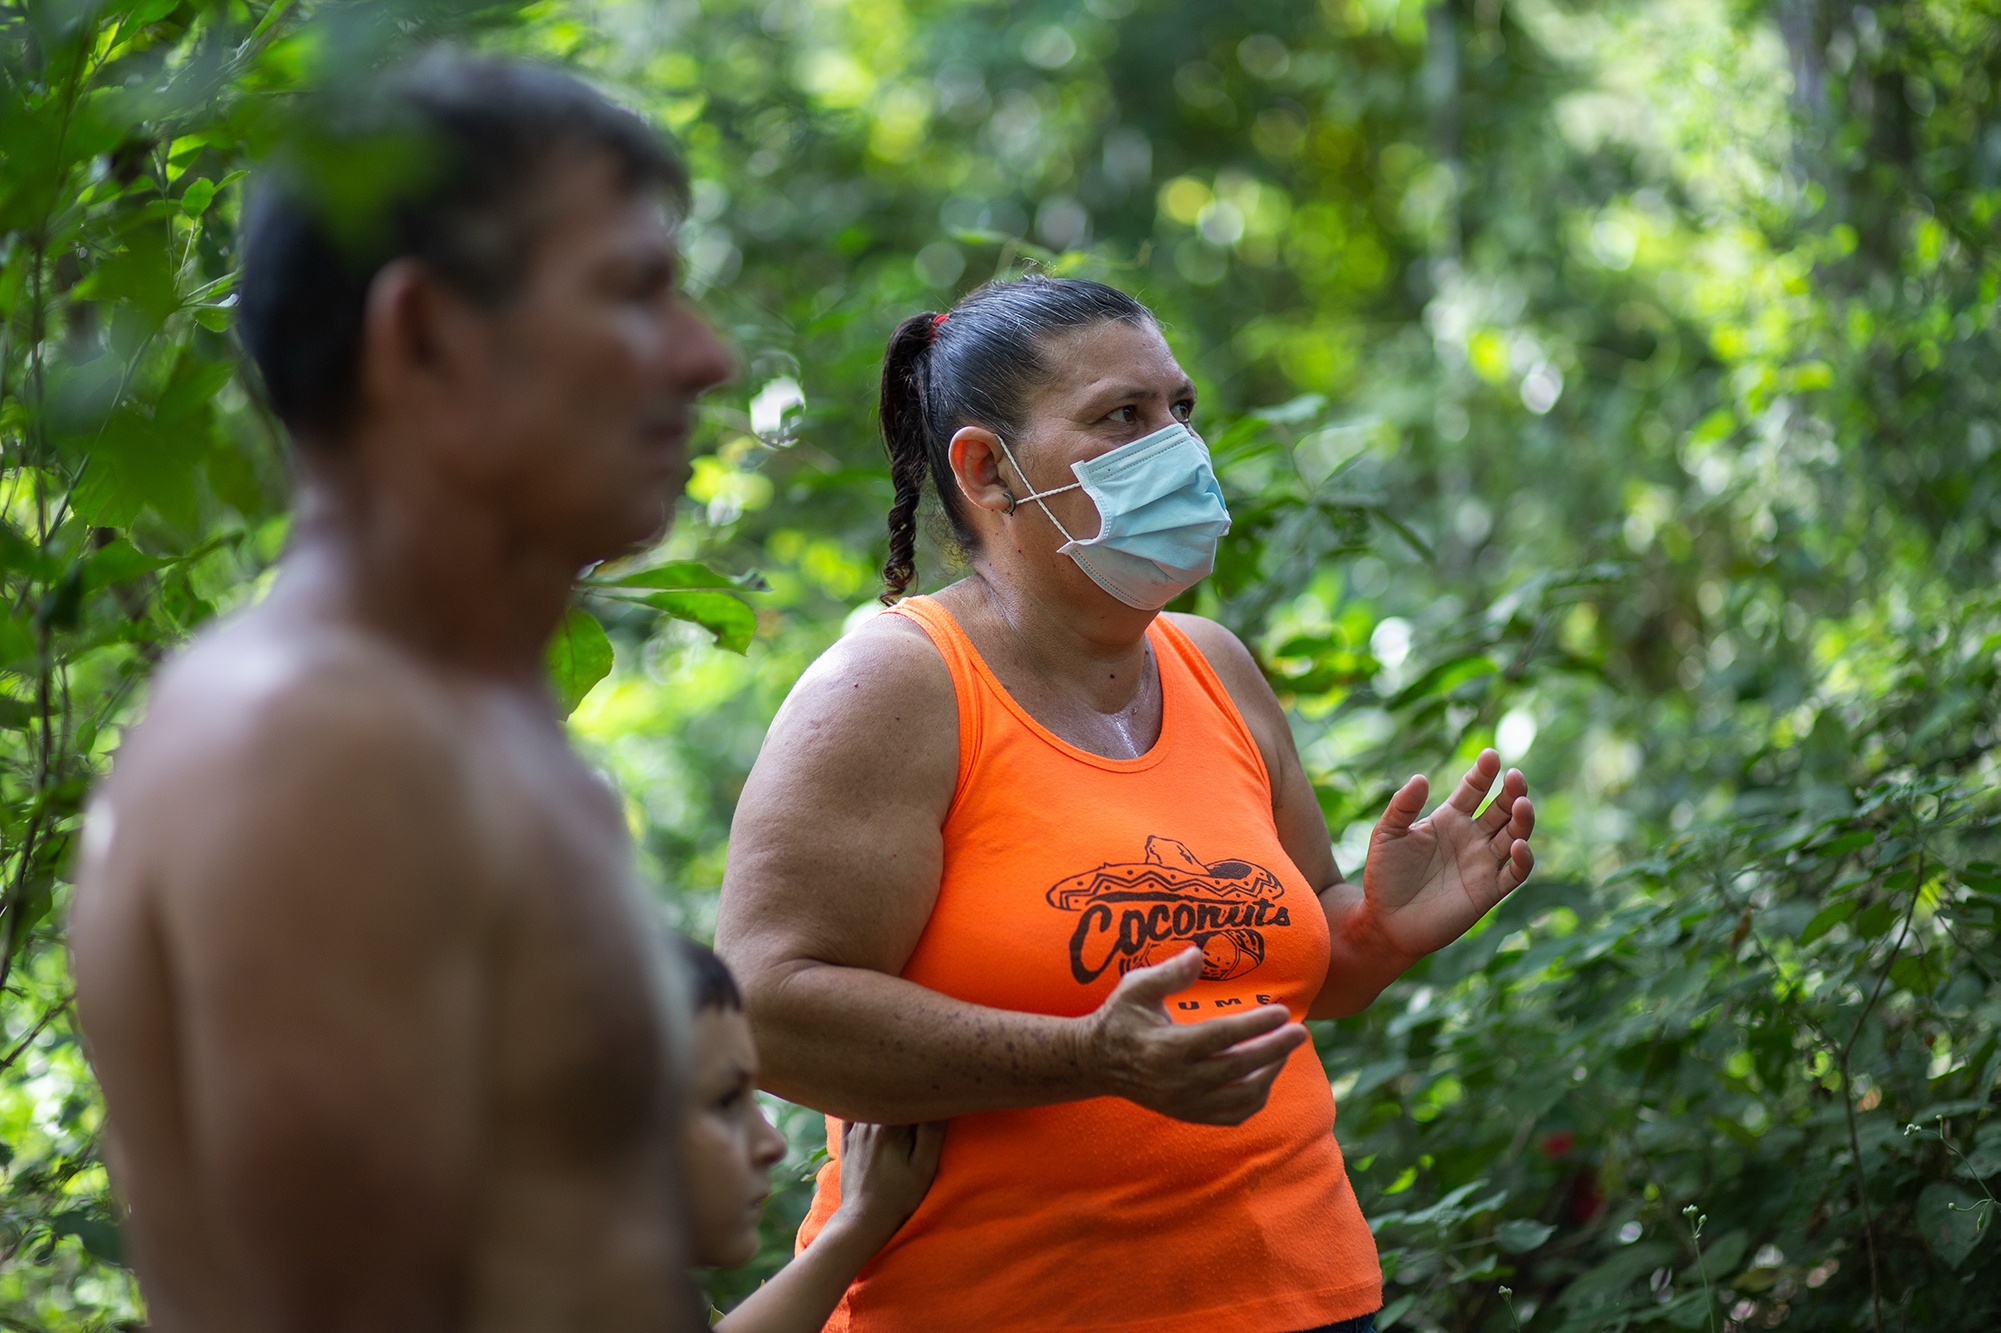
[(1872, 921), (1826, 919), (1847, 842), (727, 617), (118, 562), (579, 657), (1518, 1235), (1952, 1222), (98, 1235), (197, 197), (1983, 876), (1985, 1159), (1724, 1253), (1689, 1310), (681, 574), (1395, 1311), (1444, 678), (1911, 974)]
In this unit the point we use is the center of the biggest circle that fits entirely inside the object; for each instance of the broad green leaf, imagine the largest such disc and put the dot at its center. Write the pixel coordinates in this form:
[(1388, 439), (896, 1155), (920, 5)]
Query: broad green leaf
[(1826, 919), (1873, 921), (117, 562), (1393, 1313), (197, 197), (1691, 1309), (579, 657), (672, 574), (1984, 1161), (727, 617), (1984, 876), (1910, 973), (1518, 1235), (1952, 1222), (1723, 1254), (98, 1235), (1444, 678)]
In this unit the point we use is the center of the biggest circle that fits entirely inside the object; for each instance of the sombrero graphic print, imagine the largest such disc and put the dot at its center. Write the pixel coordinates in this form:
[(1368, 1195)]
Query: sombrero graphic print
[(1137, 913)]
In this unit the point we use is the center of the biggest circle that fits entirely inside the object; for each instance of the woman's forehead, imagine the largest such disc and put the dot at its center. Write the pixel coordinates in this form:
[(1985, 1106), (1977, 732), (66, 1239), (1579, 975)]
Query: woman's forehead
[(1093, 359)]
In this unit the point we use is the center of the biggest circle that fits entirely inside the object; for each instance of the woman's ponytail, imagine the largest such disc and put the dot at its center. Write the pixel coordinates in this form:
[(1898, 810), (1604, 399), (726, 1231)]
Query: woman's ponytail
[(906, 434)]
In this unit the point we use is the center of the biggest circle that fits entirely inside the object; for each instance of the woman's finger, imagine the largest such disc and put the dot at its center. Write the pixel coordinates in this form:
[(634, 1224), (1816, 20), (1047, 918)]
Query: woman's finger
[(1218, 1034), (1521, 860), (1404, 808), (1479, 780), (1248, 1057), (1513, 788)]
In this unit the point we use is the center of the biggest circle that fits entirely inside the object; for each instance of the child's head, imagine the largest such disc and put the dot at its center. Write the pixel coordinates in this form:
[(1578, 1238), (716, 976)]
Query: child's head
[(728, 1145)]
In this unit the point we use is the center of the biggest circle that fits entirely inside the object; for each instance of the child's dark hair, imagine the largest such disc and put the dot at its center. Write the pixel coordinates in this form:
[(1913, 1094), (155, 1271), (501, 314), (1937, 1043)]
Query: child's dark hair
[(974, 365), (710, 984)]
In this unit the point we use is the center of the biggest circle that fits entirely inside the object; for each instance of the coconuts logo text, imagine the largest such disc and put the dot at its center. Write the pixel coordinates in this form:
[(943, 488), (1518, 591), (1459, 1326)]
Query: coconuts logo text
[(1137, 913)]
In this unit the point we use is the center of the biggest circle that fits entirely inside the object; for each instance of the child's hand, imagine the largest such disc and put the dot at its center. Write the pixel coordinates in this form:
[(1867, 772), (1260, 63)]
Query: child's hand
[(885, 1171)]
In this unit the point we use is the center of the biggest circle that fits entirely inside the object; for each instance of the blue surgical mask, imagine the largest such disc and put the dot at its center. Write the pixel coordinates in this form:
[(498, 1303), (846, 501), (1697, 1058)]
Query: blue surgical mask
[(1160, 512)]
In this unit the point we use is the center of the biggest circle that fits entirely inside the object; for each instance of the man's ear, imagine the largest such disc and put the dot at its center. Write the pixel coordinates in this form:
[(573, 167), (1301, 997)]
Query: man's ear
[(413, 339), (982, 472)]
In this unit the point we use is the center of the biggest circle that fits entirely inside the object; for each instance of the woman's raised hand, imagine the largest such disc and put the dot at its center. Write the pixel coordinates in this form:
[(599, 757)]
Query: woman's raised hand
[(1216, 1072), (1428, 880)]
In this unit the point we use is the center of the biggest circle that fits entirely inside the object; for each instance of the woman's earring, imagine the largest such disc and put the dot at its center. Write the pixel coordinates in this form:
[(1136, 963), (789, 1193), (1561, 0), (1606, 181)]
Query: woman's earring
[(1010, 500)]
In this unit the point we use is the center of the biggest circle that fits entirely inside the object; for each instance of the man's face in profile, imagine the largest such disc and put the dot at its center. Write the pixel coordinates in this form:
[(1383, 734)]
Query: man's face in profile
[(585, 394)]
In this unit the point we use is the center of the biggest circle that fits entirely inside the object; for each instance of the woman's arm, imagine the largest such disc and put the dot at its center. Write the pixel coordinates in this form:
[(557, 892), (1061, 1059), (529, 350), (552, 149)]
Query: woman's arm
[(835, 858), (1427, 880)]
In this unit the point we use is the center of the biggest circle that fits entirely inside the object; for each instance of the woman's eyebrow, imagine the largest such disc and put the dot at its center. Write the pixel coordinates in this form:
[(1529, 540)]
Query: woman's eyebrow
[(1114, 392)]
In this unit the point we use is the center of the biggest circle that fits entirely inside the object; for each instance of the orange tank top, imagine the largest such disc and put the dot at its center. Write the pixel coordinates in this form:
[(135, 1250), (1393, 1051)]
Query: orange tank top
[(1062, 870)]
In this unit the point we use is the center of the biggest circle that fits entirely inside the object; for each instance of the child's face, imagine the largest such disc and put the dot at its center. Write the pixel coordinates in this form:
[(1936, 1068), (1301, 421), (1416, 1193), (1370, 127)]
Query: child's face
[(729, 1146)]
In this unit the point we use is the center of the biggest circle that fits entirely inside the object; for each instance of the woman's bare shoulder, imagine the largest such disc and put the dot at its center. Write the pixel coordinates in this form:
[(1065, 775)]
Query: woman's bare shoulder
[(1240, 673), (881, 698)]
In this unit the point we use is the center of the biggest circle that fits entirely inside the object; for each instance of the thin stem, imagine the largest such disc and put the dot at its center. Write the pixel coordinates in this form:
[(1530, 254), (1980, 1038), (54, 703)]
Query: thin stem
[(1695, 1220), (20, 1047)]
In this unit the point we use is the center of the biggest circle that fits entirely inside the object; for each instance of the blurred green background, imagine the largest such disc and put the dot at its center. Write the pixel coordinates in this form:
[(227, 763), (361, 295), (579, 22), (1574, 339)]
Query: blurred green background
[(1614, 383)]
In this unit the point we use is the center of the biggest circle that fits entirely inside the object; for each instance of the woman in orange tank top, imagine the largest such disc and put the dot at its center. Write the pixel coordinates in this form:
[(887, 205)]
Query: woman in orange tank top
[(1034, 858)]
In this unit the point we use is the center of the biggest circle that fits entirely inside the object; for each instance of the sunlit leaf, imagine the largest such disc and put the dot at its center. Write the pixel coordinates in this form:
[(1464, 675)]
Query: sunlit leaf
[(580, 655)]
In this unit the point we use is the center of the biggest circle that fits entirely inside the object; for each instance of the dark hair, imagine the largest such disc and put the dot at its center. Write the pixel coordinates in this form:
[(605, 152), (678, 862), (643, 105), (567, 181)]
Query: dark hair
[(710, 984), (975, 365), (441, 161)]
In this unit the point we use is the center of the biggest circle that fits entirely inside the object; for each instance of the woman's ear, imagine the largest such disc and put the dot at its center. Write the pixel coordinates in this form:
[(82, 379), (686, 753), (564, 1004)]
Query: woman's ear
[(978, 465)]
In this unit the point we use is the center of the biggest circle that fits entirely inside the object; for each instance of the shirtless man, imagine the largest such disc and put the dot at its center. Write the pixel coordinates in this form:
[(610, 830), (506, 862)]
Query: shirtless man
[(358, 942)]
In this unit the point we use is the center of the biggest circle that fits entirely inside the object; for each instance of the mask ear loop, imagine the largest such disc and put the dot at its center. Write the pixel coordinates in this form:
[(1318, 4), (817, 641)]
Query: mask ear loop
[(1038, 496)]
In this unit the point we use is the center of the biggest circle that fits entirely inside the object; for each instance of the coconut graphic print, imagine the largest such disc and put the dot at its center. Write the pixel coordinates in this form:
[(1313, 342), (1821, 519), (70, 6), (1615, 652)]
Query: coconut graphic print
[(1137, 913)]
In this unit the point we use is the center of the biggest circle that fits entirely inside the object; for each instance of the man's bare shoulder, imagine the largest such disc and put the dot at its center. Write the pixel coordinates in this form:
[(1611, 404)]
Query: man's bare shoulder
[(254, 687), (271, 734)]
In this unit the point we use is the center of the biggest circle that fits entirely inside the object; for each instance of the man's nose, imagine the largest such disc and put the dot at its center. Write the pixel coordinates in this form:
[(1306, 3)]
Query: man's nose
[(701, 359)]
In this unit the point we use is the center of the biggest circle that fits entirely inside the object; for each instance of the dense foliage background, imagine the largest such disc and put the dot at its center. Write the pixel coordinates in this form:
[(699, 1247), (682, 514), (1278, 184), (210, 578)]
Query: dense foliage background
[(1614, 382)]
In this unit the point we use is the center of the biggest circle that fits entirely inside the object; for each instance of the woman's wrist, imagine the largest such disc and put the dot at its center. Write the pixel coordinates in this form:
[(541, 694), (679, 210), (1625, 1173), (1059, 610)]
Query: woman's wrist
[(1086, 1050)]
